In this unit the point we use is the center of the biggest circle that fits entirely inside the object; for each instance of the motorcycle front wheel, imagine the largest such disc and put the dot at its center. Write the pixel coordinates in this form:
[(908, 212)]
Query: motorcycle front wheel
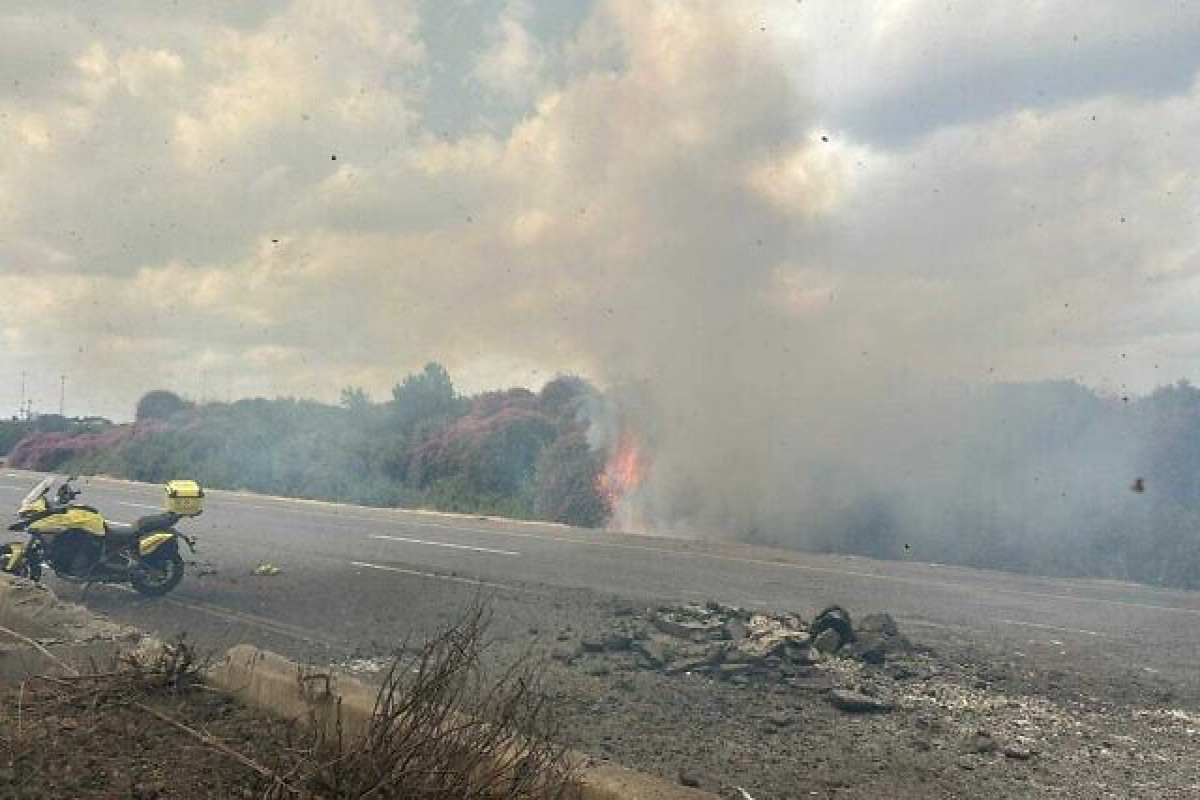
[(158, 574), (29, 569)]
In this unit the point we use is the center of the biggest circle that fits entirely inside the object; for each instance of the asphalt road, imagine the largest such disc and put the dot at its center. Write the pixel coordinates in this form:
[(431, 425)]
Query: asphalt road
[(354, 579)]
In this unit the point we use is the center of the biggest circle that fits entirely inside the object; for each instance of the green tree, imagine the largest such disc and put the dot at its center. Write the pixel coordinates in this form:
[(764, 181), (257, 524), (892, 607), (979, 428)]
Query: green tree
[(160, 404), (424, 399), (355, 399)]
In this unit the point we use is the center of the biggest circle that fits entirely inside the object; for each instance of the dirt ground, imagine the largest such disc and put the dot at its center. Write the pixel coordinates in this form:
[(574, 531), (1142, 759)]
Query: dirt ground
[(71, 742)]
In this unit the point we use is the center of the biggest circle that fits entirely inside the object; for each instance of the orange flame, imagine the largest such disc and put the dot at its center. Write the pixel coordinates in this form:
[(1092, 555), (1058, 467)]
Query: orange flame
[(623, 475)]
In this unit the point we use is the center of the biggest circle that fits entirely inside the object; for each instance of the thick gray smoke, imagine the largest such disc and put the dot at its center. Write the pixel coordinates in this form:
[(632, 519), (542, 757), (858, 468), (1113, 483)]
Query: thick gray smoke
[(796, 287), (796, 379)]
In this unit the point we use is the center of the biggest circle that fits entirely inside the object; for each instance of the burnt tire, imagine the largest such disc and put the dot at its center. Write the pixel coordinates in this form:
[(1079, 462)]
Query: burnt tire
[(161, 572)]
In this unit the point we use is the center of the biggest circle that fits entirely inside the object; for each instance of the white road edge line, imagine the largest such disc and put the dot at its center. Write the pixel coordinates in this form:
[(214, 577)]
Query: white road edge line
[(138, 505), (453, 578), (382, 519), (444, 544)]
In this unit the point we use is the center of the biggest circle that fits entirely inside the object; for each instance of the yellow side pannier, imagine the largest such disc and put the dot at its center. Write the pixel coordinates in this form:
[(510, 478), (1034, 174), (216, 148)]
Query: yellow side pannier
[(185, 498)]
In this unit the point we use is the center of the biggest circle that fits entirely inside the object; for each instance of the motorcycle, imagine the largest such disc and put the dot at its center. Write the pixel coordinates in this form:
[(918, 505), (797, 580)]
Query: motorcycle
[(81, 546)]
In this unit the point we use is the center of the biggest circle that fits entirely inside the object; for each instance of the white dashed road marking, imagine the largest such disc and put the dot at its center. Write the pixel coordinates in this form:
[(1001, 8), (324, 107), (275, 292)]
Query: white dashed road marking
[(407, 540)]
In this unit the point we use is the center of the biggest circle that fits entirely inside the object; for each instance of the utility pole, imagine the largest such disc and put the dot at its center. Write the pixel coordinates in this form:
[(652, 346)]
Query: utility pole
[(21, 408), (62, 395)]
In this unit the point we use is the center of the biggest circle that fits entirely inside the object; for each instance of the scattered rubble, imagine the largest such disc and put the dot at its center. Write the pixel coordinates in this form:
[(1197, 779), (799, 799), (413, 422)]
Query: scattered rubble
[(363, 666), (980, 742), (857, 702), (1019, 751)]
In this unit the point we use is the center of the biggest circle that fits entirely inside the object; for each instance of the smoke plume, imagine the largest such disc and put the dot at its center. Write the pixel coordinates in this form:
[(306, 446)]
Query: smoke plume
[(800, 248)]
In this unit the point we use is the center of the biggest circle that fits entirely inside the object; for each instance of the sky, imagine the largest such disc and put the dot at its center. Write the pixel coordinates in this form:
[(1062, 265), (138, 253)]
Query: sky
[(804, 199)]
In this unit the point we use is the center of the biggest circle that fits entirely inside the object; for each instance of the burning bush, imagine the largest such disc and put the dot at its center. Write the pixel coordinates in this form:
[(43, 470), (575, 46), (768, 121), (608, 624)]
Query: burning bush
[(568, 485), (562, 397), (490, 452), (622, 478)]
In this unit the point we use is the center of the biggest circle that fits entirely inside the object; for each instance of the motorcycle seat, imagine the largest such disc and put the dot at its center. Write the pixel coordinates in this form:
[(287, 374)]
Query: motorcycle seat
[(123, 530), (119, 530)]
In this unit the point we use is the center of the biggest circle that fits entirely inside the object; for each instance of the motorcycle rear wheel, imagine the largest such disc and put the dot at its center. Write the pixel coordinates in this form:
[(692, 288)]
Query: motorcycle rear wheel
[(159, 574)]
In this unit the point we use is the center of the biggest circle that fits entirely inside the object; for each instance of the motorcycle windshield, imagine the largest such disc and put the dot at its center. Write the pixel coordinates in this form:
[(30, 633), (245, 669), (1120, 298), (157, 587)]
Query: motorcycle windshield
[(38, 490)]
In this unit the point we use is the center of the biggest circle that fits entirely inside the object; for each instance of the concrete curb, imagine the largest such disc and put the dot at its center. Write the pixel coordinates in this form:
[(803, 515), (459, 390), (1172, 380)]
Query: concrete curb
[(277, 685), (63, 632)]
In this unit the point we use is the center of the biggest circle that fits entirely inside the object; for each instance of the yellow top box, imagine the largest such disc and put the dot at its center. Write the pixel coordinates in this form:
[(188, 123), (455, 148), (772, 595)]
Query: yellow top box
[(184, 489), (185, 498)]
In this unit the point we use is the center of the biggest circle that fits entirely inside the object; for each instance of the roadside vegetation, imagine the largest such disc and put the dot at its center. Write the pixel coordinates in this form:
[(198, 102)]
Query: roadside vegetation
[(15, 429), (1050, 478), (515, 453)]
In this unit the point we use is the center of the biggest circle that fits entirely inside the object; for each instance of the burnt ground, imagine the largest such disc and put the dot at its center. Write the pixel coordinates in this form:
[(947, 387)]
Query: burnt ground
[(971, 716)]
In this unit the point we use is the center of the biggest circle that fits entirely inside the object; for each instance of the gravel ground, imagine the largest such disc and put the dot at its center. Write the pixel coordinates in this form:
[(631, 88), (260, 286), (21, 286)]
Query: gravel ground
[(971, 717), (63, 745)]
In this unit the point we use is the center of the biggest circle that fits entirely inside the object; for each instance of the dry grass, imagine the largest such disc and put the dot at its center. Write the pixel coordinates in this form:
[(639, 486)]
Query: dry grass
[(441, 730)]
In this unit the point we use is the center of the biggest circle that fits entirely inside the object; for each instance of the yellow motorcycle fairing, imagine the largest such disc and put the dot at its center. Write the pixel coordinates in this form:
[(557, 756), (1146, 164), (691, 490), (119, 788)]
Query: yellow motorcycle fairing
[(71, 519), (15, 552), (36, 507), (149, 544)]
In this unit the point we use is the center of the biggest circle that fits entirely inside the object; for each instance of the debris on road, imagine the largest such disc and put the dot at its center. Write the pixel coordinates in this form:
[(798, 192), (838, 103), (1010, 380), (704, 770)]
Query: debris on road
[(980, 742), (203, 569), (266, 568), (368, 666), (1019, 751), (738, 645), (834, 618), (857, 702)]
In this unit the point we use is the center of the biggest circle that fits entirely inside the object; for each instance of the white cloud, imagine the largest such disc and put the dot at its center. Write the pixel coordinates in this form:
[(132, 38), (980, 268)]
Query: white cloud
[(179, 180), (514, 63), (897, 70)]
